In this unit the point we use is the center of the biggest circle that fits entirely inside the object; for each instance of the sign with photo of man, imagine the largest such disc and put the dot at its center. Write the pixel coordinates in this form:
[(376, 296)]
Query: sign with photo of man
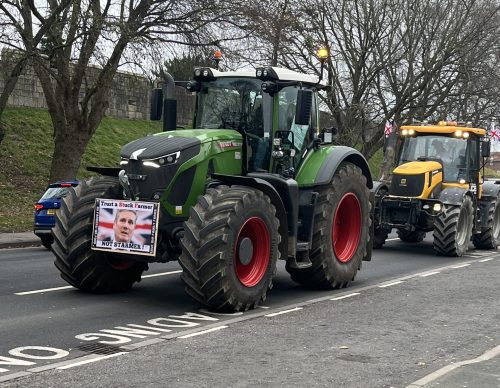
[(125, 226)]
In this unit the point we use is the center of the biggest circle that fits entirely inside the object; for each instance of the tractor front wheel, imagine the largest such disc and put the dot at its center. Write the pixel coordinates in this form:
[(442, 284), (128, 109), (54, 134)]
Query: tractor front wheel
[(230, 248), (341, 231), (83, 268), (453, 229), (489, 238)]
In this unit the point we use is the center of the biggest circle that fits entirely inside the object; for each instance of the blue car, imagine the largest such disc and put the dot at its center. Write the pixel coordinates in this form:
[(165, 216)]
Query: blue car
[(46, 207)]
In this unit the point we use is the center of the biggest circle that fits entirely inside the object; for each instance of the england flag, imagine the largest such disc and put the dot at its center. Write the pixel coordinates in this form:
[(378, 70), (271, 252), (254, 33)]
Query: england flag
[(494, 132)]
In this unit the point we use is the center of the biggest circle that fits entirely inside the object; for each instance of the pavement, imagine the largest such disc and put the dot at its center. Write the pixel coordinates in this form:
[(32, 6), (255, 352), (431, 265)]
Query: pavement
[(482, 371), (19, 240)]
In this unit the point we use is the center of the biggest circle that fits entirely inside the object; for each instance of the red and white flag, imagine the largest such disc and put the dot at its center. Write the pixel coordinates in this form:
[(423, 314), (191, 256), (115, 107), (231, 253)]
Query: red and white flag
[(388, 128), (494, 132)]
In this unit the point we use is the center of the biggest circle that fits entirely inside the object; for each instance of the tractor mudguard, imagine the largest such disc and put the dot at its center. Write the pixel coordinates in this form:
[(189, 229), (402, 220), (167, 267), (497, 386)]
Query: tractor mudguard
[(377, 186), (454, 195), (320, 166), (490, 190), (286, 203)]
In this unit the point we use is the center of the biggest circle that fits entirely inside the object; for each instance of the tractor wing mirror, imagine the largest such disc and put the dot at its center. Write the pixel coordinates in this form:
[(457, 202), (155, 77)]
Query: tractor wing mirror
[(485, 149), (304, 107), (156, 104)]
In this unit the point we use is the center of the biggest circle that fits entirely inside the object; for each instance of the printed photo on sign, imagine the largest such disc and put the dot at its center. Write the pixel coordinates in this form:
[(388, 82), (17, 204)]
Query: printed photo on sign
[(125, 226)]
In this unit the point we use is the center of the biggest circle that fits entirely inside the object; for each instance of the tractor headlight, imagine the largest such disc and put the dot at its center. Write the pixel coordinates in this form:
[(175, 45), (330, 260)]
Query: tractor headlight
[(437, 207), (162, 161), (458, 133), (266, 74), (123, 162), (203, 73)]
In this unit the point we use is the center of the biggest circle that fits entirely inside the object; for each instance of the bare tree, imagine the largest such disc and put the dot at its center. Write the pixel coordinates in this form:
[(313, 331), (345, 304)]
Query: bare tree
[(17, 32), (399, 59), (92, 32)]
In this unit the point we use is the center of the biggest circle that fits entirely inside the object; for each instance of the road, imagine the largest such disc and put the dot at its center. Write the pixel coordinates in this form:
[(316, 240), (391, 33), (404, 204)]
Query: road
[(408, 313)]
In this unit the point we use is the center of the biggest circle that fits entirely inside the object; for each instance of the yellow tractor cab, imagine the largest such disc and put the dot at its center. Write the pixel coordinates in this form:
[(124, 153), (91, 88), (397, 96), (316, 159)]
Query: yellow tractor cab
[(437, 185), (441, 156)]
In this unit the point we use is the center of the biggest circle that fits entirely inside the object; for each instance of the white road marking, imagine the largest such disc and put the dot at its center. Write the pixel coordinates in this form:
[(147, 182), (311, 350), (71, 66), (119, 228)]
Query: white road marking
[(429, 274), (42, 291), (161, 274), (485, 260), (203, 332), (488, 355), (283, 312), (67, 287), (390, 284), (346, 296), (460, 266), (88, 361)]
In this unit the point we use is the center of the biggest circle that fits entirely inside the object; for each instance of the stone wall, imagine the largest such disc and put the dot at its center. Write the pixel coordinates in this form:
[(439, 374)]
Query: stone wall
[(129, 96)]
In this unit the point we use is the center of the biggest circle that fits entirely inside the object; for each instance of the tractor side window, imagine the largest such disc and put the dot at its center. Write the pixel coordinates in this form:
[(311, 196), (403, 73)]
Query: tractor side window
[(473, 148)]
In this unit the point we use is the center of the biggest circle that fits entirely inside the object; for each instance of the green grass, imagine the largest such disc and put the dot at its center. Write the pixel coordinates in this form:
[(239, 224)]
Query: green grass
[(26, 153)]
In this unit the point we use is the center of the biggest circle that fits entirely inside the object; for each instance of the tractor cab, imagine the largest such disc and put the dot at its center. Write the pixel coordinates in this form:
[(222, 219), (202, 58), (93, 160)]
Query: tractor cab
[(448, 149), (274, 110)]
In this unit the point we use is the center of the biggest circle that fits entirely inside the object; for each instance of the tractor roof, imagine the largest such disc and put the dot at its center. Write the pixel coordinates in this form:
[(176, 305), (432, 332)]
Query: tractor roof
[(448, 128), (283, 75)]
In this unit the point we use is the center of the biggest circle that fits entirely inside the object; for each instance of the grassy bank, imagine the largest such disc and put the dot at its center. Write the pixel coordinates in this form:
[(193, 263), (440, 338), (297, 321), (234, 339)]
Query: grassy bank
[(26, 152)]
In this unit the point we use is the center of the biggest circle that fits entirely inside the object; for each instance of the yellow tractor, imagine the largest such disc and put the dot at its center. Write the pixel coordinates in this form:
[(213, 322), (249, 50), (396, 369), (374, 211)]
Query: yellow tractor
[(438, 185)]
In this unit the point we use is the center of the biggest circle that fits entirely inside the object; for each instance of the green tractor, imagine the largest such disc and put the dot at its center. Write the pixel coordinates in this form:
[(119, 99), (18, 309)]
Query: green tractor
[(254, 181)]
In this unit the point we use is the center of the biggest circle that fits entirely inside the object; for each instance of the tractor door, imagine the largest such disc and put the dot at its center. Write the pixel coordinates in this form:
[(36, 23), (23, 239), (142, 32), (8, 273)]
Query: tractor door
[(301, 135)]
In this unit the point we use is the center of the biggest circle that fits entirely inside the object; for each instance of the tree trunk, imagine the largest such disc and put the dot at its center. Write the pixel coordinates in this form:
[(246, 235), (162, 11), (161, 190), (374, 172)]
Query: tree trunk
[(69, 146)]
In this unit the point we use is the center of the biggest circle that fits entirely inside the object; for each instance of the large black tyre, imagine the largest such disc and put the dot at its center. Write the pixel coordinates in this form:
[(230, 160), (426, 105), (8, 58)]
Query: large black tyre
[(230, 248), (83, 268), (453, 229), (411, 237), (341, 231), (489, 238), (47, 240)]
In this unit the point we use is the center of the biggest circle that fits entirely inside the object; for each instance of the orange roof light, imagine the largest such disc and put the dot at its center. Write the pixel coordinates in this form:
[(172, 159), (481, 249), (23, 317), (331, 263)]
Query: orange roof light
[(448, 123), (217, 54)]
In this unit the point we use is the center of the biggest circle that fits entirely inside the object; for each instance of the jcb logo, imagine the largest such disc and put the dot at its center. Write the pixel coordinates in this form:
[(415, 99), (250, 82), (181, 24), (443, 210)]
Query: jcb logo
[(402, 182)]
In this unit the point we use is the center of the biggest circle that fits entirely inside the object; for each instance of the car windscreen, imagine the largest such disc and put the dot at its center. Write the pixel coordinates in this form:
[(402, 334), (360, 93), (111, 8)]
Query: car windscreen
[(55, 192)]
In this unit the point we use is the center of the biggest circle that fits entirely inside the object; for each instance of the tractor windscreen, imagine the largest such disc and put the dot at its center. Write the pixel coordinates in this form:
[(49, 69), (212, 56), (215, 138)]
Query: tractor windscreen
[(449, 151), (234, 103)]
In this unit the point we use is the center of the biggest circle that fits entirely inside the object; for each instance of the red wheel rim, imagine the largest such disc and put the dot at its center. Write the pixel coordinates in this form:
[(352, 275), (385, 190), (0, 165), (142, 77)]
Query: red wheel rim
[(346, 227), (252, 273)]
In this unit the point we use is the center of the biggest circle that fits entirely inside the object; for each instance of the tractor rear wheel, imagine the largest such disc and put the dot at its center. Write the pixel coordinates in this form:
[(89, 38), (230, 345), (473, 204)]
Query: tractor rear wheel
[(453, 229), (411, 237), (341, 231), (230, 248), (489, 238), (83, 268)]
